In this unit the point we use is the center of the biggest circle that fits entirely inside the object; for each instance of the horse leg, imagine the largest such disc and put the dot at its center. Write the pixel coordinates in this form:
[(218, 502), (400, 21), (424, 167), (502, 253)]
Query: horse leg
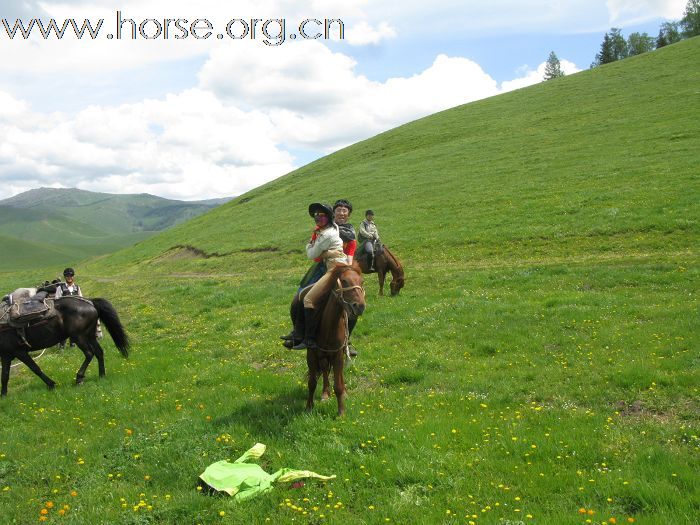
[(326, 394), (27, 360), (100, 355), (381, 274), (6, 360), (313, 377), (87, 352), (339, 382)]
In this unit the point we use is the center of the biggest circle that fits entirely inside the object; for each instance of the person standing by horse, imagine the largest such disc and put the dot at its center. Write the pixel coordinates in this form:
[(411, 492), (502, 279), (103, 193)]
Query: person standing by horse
[(70, 287), (326, 245), (369, 236)]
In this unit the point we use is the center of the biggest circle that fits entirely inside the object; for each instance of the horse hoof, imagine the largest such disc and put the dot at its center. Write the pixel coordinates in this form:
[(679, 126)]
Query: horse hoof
[(325, 397), (51, 386)]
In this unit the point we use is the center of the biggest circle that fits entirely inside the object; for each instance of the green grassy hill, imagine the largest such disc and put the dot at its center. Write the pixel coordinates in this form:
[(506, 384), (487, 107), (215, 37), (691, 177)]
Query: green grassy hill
[(540, 366), (67, 225), (610, 152)]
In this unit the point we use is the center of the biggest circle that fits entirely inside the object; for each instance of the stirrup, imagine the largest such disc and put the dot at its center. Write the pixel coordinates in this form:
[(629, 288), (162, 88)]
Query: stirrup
[(291, 343)]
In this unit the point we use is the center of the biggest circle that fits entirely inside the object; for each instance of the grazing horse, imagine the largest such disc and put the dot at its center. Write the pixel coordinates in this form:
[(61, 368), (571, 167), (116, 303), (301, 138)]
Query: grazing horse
[(383, 263), (76, 318), (344, 296)]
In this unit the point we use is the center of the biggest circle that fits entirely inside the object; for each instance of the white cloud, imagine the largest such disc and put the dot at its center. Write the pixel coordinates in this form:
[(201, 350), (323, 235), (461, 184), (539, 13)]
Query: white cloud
[(627, 12), (316, 100), (530, 77), (10, 106), (228, 134), (363, 33), (249, 102), (185, 146)]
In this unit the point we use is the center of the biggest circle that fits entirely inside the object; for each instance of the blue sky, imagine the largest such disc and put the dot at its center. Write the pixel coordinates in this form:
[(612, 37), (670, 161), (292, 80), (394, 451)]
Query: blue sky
[(195, 119)]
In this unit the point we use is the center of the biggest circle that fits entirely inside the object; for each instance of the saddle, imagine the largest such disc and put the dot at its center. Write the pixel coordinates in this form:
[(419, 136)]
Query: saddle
[(21, 307)]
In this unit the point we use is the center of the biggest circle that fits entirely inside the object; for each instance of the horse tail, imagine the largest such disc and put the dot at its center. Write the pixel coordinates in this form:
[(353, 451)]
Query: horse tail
[(108, 315)]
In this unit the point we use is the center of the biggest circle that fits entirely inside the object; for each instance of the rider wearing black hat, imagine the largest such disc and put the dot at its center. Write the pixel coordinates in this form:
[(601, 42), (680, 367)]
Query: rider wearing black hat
[(342, 208), (70, 287), (327, 246)]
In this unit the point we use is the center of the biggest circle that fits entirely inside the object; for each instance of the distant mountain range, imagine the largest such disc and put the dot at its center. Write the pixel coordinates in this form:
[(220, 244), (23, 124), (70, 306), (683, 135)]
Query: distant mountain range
[(59, 226)]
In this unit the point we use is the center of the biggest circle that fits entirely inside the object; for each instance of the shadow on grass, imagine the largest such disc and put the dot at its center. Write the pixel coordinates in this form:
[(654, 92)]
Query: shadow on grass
[(274, 414)]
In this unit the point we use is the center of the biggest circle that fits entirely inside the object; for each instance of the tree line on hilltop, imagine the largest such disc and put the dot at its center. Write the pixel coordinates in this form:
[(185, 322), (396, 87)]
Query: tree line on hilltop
[(615, 47)]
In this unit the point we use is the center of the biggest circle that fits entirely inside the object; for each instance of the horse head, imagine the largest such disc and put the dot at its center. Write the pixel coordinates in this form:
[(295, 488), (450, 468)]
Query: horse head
[(396, 285), (349, 290)]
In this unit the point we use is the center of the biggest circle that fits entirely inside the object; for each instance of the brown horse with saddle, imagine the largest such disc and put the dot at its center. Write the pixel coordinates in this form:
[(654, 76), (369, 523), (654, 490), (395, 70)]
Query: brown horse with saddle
[(31, 321), (384, 262), (342, 298)]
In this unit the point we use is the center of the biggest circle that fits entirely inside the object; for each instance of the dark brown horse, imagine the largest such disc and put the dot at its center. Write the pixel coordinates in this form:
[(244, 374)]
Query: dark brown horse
[(75, 318), (383, 263), (344, 297)]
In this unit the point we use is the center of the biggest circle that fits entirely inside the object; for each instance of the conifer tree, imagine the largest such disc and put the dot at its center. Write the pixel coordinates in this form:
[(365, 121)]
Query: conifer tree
[(613, 47), (552, 68), (605, 55), (668, 34)]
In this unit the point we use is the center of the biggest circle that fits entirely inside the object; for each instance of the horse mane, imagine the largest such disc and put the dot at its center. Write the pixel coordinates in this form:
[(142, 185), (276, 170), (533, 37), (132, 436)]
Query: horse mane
[(397, 265), (325, 291), (335, 273)]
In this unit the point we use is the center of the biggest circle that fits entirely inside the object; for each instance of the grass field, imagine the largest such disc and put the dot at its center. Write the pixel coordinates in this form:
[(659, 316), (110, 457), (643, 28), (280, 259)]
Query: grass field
[(540, 366)]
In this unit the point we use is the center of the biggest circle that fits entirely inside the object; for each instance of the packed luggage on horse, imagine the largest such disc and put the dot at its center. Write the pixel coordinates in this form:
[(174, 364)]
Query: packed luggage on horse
[(35, 318)]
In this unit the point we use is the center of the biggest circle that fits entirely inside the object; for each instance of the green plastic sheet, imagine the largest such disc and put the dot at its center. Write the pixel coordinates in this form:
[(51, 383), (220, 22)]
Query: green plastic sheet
[(244, 480)]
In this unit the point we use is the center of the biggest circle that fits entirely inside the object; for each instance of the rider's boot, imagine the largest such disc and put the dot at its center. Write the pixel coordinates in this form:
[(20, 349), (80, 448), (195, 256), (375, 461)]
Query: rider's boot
[(297, 333), (309, 331)]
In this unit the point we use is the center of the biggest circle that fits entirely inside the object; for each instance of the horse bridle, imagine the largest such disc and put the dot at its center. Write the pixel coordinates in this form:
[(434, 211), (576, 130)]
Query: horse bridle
[(339, 292)]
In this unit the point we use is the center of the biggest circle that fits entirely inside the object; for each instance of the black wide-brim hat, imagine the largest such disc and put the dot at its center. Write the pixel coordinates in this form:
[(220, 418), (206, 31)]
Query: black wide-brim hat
[(317, 207)]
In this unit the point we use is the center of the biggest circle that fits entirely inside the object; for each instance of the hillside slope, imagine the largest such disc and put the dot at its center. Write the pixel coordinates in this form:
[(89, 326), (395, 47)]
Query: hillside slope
[(67, 225), (609, 153)]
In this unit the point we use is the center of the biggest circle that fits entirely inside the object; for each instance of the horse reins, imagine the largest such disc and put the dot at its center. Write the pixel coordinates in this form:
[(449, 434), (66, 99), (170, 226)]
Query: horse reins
[(339, 294)]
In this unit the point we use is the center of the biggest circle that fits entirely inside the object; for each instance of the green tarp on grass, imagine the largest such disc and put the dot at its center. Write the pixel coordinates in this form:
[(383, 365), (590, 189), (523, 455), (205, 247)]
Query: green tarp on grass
[(246, 480)]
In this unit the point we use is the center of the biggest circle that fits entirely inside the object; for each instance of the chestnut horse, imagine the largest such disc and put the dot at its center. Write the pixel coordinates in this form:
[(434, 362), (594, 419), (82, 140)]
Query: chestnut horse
[(383, 263), (345, 296), (76, 318)]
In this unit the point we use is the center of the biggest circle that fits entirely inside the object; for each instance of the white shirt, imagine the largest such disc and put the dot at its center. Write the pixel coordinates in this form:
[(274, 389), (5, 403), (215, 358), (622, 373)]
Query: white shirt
[(327, 239)]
